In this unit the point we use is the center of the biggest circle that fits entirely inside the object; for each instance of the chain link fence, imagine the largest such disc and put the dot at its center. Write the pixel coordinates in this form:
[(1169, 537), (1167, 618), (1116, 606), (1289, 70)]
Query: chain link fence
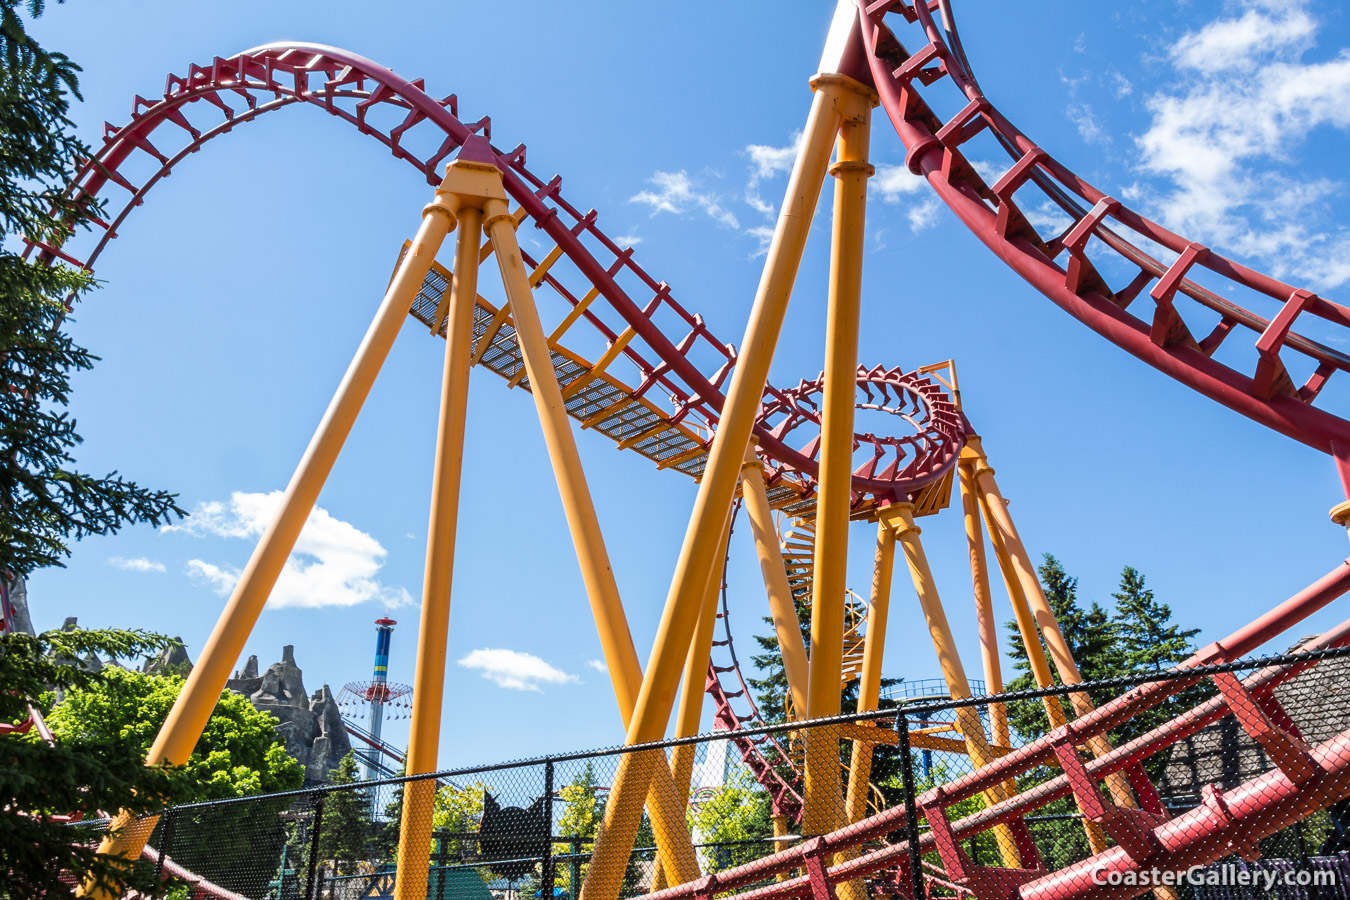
[(1225, 782)]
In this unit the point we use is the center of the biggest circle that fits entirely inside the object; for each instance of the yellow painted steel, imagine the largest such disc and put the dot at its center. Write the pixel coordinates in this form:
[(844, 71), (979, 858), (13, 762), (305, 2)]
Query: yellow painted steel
[(1001, 521), (573, 314), (598, 367), (668, 819), (823, 809), (786, 625), (900, 519), (869, 682), (984, 605), (698, 554), (414, 834), (188, 716), (1026, 626), (780, 830), (692, 692)]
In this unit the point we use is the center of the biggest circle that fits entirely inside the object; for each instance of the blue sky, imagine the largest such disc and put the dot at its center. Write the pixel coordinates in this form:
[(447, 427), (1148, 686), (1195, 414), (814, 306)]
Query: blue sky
[(235, 298)]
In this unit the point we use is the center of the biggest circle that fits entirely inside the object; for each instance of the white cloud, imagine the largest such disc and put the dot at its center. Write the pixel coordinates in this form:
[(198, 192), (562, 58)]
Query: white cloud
[(1085, 119), (221, 579), (136, 564), (1228, 143), (515, 670), (923, 214), (677, 194), (334, 563), (628, 240), (892, 182), (1047, 218), (1226, 44), (1120, 85), (597, 664), (769, 162), (764, 235)]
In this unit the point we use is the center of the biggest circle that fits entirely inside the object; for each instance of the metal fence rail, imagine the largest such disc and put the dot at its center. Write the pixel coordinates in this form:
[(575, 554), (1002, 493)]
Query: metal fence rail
[(921, 819)]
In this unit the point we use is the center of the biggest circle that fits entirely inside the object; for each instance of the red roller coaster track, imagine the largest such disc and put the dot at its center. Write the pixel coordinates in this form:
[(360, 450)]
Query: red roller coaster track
[(1185, 332), (1186, 326)]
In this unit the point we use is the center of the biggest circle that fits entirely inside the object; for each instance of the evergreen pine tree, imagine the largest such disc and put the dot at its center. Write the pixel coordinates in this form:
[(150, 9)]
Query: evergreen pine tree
[(1089, 633), (347, 828), (771, 691), (1148, 640)]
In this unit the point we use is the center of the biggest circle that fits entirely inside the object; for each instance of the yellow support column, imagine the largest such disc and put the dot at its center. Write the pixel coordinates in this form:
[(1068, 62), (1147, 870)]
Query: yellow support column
[(997, 510), (824, 803), (625, 671), (984, 605), (899, 518), (188, 716), (786, 626), (698, 554), (692, 692), (869, 682), (1026, 627), (414, 834)]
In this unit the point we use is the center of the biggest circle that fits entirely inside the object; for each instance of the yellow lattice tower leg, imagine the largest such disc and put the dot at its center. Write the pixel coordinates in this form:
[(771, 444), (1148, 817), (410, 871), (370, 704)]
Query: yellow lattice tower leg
[(616, 640), (178, 735), (899, 518), (464, 179), (698, 555), (786, 626)]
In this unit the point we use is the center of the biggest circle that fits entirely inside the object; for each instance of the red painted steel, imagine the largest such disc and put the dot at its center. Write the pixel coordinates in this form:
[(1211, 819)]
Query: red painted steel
[(1116, 235), (365, 94)]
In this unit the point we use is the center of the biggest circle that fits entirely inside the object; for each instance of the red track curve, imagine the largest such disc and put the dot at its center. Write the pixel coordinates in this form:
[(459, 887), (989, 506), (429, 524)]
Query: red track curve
[(363, 94), (1260, 389)]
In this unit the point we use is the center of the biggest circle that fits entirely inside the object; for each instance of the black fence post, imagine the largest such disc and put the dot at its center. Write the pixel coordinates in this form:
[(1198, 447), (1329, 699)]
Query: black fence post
[(911, 807), (546, 877), (165, 836), (316, 830), (575, 890), (441, 858)]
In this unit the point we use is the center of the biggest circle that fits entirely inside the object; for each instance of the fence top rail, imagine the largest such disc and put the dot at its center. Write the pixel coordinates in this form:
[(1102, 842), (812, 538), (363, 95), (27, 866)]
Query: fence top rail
[(896, 714)]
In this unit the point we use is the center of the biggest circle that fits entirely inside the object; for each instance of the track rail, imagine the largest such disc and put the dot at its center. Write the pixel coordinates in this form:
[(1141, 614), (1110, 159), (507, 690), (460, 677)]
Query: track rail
[(1223, 820), (1184, 328), (678, 365)]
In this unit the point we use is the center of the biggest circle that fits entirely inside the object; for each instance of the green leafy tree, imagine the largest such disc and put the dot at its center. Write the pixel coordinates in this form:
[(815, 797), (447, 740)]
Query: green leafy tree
[(771, 688), (46, 502), (739, 810), (1149, 641), (77, 774), (456, 811), (239, 754), (581, 814)]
